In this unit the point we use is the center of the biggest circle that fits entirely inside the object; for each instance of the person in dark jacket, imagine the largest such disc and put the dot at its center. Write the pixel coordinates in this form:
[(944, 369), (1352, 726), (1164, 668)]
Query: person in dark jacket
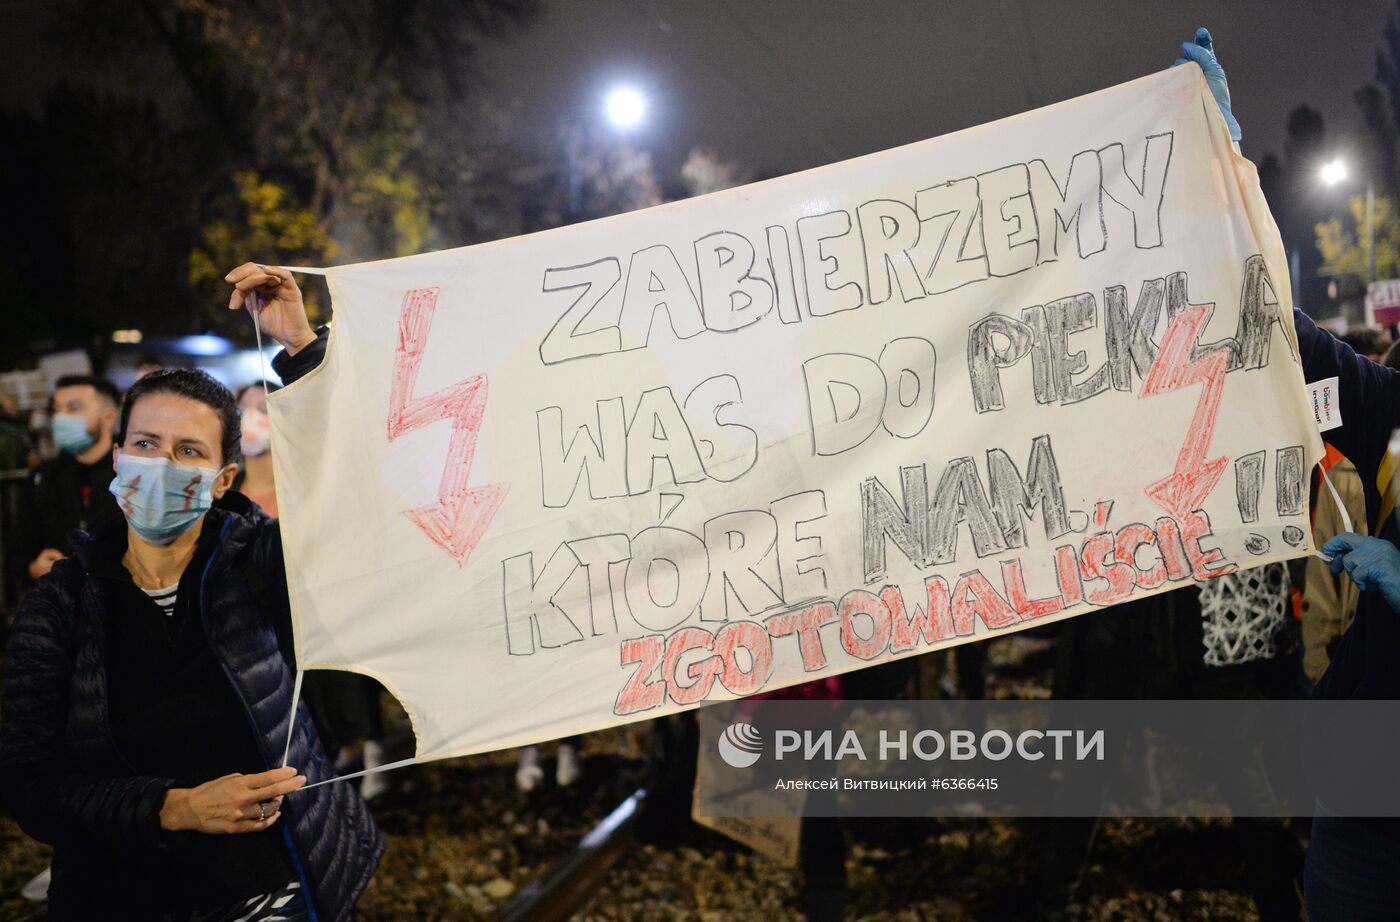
[(148, 689), (1353, 860), (1169, 647), (70, 491)]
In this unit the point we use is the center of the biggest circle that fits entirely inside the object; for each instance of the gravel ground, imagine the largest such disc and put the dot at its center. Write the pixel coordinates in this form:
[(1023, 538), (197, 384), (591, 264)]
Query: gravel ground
[(950, 870), (462, 841)]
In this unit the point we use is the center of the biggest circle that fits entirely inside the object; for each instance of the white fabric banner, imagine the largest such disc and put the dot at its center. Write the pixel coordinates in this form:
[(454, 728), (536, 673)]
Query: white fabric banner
[(726, 445)]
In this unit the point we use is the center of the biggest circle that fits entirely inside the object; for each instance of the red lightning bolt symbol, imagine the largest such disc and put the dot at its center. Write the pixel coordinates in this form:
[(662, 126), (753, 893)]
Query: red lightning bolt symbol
[(458, 519), (131, 487), (1185, 489), (189, 490)]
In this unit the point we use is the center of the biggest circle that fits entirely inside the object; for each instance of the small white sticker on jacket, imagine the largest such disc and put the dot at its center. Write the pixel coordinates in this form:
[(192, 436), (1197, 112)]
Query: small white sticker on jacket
[(1327, 410)]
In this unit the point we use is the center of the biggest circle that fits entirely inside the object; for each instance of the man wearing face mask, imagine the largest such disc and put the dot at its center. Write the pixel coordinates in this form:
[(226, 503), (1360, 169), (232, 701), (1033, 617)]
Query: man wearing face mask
[(148, 685), (70, 491)]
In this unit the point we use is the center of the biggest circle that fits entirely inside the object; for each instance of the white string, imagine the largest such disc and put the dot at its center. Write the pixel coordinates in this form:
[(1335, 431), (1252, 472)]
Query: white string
[(1341, 507), (369, 771), (292, 718), (254, 303), (255, 306)]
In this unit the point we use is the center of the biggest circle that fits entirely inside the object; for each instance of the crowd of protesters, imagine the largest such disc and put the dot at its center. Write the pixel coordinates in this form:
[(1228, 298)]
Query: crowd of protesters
[(149, 673)]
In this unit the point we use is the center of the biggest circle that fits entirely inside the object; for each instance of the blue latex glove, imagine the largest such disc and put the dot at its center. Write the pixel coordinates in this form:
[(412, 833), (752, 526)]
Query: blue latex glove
[(1202, 51), (1374, 563)]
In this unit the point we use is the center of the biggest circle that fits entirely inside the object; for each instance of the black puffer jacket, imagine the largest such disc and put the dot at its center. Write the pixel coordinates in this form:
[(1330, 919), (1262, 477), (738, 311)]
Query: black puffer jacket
[(68, 785)]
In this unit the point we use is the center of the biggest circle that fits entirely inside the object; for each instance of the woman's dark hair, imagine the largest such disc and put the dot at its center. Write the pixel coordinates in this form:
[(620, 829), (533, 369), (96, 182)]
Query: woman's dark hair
[(194, 385)]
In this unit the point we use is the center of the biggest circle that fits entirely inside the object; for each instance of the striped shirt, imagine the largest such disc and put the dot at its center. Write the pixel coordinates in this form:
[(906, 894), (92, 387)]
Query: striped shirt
[(164, 598), (287, 904)]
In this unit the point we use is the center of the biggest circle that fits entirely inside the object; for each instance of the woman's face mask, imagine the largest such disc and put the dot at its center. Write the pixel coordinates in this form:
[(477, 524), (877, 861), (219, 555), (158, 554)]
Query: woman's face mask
[(257, 432), (162, 499)]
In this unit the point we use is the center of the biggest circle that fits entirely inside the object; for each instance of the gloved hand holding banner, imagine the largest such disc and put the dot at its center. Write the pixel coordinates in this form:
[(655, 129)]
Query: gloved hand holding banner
[(960, 388)]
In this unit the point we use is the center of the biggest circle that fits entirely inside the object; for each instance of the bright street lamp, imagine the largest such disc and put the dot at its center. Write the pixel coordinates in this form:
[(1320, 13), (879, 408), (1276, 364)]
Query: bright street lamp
[(1334, 172), (625, 107)]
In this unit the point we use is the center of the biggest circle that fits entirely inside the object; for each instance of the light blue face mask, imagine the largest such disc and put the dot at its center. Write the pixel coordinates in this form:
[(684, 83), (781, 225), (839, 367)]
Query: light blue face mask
[(161, 499), (70, 433)]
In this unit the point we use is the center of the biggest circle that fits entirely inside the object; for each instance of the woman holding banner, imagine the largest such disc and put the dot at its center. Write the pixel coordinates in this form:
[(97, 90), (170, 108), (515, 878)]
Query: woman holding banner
[(148, 684), (1353, 860)]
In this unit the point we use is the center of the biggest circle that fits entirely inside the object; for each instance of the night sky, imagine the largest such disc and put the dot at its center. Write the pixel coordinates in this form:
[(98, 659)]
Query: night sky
[(781, 85)]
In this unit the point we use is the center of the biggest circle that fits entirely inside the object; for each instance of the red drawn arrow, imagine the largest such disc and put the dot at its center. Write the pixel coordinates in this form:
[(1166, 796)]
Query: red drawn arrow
[(1185, 489), (461, 515)]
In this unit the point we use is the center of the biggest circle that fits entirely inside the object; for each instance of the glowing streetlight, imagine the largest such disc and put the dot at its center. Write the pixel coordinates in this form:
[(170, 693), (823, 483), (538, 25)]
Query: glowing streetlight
[(1333, 172), (625, 107)]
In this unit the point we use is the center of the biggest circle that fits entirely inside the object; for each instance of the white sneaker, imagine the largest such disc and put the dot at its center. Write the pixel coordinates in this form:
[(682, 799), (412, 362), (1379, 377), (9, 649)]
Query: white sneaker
[(371, 786), (528, 774), (37, 890), (567, 771)]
